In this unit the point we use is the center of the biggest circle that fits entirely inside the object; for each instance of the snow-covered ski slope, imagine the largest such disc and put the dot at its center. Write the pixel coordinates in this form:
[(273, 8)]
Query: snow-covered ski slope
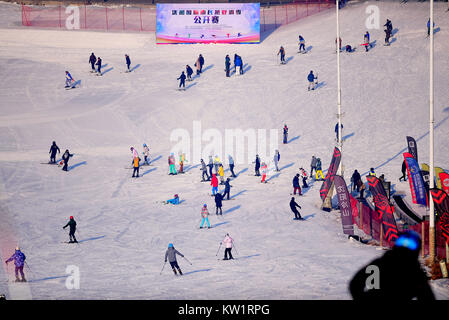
[(124, 231)]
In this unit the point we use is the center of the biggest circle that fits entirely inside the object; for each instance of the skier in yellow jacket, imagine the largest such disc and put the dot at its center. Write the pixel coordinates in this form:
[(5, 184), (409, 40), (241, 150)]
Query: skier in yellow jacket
[(221, 174)]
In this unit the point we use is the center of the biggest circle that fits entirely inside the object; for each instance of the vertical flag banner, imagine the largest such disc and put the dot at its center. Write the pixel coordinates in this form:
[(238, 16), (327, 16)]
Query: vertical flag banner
[(344, 202), (384, 208), (415, 179), (438, 170), (441, 201), (207, 23), (335, 162), (444, 178), (412, 148)]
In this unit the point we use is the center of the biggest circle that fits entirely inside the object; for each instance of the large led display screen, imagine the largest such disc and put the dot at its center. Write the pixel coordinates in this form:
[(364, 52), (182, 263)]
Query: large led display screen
[(208, 23)]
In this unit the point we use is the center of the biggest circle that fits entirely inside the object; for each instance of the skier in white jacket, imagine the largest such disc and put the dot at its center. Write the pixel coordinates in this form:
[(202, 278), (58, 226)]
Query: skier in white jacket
[(228, 241)]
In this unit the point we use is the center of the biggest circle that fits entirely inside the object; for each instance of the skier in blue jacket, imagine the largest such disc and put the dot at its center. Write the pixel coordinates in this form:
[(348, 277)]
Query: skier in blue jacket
[(311, 77), (182, 79), (428, 27), (19, 261), (128, 61), (68, 80)]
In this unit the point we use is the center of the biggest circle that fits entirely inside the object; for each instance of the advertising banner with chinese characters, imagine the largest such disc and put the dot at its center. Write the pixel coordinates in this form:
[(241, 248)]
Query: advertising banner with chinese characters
[(344, 201), (208, 23)]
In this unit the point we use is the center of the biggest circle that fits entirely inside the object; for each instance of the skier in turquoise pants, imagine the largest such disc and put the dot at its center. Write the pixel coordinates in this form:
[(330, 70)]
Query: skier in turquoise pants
[(205, 215)]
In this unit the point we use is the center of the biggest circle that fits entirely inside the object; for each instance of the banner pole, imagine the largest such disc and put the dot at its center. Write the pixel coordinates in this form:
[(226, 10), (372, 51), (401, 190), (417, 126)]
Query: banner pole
[(340, 168), (431, 141)]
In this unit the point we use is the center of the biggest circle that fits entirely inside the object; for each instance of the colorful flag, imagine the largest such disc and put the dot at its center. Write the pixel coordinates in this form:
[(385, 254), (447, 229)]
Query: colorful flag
[(415, 179)]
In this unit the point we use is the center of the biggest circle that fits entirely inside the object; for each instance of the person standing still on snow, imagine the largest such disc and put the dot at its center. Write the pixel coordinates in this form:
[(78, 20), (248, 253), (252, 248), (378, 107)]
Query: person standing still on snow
[(72, 226), (231, 166), (221, 173), (336, 130), (228, 242), (210, 165), (201, 60), (227, 189), (276, 159), (146, 154), (181, 162), (366, 41), (171, 163), (428, 27), (293, 206), (128, 62), (356, 180), (404, 171), (99, 65), (218, 203), (264, 172), (282, 53), (285, 133), (92, 60), (171, 255), (312, 166), (296, 185), (339, 45), (319, 171), (53, 149), (136, 166), (302, 45), (204, 171), (205, 216), (65, 158), (19, 262), (311, 78), (214, 184), (227, 65), (257, 166)]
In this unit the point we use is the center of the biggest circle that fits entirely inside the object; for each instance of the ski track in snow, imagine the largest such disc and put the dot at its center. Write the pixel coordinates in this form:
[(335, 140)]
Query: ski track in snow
[(124, 229)]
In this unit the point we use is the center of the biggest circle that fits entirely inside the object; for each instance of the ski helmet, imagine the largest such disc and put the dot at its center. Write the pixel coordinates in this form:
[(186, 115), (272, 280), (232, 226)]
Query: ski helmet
[(144, 144), (17, 248), (71, 217), (176, 195), (410, 240), (170, 245), (205, 205)]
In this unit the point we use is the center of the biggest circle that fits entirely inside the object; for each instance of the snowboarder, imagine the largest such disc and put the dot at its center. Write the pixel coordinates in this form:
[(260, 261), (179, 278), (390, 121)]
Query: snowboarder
[(264, 172), (171, 255), (296, 185), (231, 166), (371, 172), (318, 170), (214, 184), (228, 242), (65, 158), (72, 226), (19, 262), (210, 165), (410, 283), (221, 173), (311, 78), (227, 65), (282, 53), (304, 177), (171, 163), (312, 166), (205, 216), (302, 44), (366, 41), (356, 181), (146, 154), (336, 129), (257, 166), (218, 203), (99, 65), (182, 81), (285, 132), (92, 60), (174, 201), (128, 62), (227, 189), (276, 159), (204, 171), (189, 72), (69, 80), (53, 149), (404, 171), (293, 206), (136, 164)]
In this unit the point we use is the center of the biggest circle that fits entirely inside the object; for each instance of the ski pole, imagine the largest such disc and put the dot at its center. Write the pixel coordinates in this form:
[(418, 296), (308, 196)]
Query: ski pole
[(30, 269), (235, 248), (187, 260), (218, 250), (163, 268)]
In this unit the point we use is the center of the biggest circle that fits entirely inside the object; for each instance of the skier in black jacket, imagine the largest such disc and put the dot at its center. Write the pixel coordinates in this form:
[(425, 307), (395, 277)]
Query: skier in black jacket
[(227, 189), (293, 206), (257, 167), (399, 274), (182, 79), (189, 71), (72, 225), (201, 60), (53, 149), (355, 180), (65, 158), (218, 203), (92, 60), (404, 171), (128, 61)]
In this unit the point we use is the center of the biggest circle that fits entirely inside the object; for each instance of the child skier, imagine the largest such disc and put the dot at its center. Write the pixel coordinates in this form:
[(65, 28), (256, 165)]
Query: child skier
[(146, 154), (205, 215), (69, 80), (171, 163), (181, 162), (189, 72), (92, 60), (366, 41), (72, 225), (174, 201), (19, 261), (371, 172), (136, 165), (214, 184), (276, 159), (228, 242), (65, 158), (53, 149), (99, 65), (304, 177), (285, 131), (293, 206), (221, 173), (182, 81), (171, 255), (282, 53), (302, 45), (264, 172), (311, 77), (128, 62)]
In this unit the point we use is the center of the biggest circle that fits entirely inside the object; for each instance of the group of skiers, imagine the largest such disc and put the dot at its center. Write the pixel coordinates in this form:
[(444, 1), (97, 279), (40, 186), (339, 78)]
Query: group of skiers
[(315, 164), (238, 65), (357, 183), (65, 157), (199, 63)]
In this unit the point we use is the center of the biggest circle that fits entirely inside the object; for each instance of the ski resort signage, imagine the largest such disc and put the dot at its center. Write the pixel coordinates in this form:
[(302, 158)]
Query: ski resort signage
[(416, 181), (208, 23), (344, 202)]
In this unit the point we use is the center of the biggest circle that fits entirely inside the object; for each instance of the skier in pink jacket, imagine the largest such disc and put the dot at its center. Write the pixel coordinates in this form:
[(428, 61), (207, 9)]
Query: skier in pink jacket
[(228, 241)]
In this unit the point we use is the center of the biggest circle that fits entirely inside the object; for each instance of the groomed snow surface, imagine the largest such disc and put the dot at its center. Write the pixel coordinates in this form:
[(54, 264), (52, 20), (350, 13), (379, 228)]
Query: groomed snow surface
[(123, 228)]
